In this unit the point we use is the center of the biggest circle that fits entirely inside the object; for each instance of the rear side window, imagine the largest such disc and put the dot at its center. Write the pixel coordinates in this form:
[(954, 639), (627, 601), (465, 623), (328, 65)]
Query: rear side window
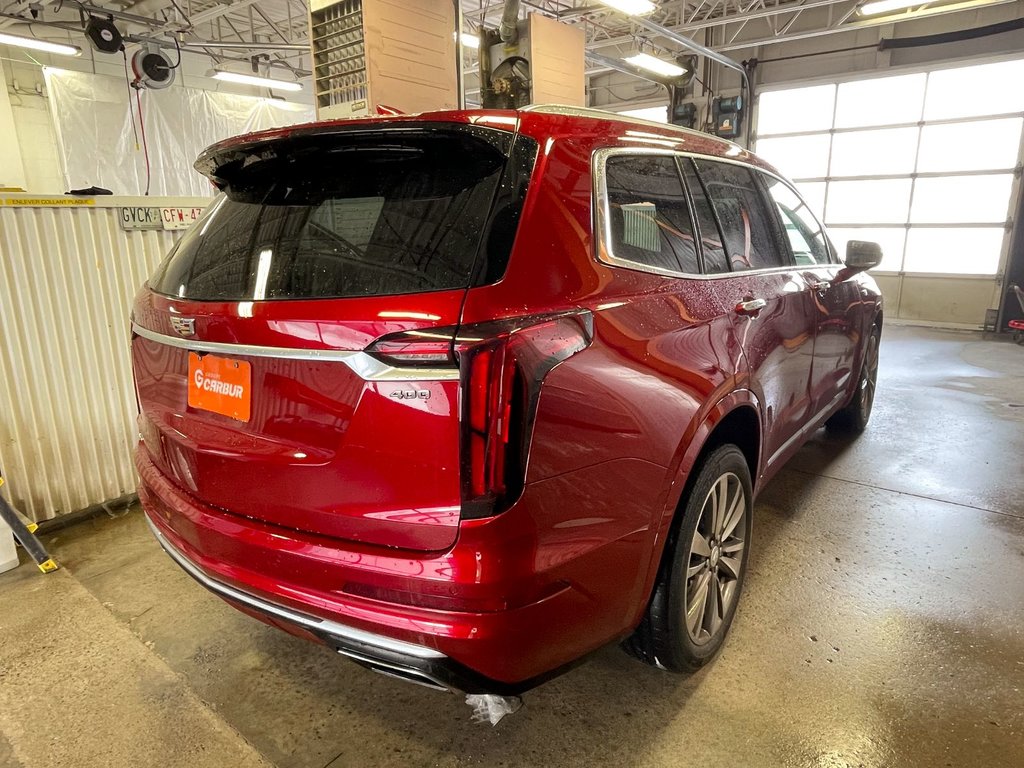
[(647, 219), (368, 214), (751, 240)]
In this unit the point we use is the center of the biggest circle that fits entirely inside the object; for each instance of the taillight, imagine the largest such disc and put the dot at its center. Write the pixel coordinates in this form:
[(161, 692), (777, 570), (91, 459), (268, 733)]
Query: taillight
[(415, 348), (490, 384), (502, 365)]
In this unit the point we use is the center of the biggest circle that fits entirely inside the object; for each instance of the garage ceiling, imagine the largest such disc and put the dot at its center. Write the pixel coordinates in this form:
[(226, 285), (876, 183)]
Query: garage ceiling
[(728, 24), (277, 29)]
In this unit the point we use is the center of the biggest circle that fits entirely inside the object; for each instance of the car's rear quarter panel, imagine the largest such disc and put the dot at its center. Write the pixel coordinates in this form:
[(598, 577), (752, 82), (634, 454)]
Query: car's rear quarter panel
[(615, 422)]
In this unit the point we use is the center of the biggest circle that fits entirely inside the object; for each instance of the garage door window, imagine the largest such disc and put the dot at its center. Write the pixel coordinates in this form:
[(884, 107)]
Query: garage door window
[(922, 163)]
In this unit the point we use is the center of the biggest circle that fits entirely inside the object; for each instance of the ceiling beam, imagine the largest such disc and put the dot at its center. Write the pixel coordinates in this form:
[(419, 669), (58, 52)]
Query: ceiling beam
[(695, 26), (9, 17), (866, 23), (220, 10), (273, 25), (249, 46)]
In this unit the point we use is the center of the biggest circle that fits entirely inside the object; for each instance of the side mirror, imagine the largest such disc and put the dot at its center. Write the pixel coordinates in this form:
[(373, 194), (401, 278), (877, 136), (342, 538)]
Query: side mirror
[(862, 255)]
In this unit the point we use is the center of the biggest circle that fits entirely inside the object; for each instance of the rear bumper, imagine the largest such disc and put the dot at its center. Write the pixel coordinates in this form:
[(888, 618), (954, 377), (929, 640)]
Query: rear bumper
[(395, 658), (517, 625)]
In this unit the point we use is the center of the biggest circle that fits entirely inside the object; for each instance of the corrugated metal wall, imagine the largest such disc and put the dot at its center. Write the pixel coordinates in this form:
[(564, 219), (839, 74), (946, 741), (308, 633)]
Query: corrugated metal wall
[(67, 409)]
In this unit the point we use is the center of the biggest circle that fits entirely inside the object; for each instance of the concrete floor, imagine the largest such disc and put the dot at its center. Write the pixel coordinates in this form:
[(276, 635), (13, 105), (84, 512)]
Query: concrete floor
[(882, 625)]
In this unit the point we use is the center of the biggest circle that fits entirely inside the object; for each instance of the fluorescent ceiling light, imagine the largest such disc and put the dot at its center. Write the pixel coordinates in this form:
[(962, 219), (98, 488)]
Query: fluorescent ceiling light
[(470, 41), (40, 45), (884, 6), (632, 7), (259, 82), (656, 65)]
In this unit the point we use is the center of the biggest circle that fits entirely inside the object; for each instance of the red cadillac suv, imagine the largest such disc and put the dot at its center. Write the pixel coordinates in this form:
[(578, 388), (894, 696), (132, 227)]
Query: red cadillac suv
[(467, 395)]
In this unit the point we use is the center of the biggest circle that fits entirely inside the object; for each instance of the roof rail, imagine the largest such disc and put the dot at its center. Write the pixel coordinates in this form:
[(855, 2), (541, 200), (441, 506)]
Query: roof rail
[(604, 114)]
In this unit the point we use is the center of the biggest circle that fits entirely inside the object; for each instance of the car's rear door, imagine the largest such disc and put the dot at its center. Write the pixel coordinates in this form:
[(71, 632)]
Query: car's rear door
[(770, 298), (257, 393)]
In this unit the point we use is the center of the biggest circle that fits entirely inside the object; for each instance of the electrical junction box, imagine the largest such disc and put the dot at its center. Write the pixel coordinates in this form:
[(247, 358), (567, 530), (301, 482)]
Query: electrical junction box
[(684, 115), (727, 113)]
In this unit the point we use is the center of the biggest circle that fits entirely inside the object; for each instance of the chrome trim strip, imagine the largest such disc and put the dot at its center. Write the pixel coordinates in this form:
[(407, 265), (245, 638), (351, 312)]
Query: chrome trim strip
[(314, 623), (812, 425), (364, 365), (386, 668)]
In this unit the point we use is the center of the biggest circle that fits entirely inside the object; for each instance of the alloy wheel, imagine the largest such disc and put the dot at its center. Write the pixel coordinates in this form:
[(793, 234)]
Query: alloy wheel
[(716, 558), (869, 381)]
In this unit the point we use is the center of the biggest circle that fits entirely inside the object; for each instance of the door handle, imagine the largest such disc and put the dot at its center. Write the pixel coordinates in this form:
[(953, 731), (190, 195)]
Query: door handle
[(821, 286), (751, 306)]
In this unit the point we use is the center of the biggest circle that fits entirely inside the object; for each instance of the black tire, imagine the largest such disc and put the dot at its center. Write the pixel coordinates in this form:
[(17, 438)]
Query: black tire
[(853, 419), (666, 636)]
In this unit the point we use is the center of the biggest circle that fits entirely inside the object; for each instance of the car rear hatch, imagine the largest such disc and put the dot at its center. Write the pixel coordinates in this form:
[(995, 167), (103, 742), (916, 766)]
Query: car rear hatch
[(261, 389)]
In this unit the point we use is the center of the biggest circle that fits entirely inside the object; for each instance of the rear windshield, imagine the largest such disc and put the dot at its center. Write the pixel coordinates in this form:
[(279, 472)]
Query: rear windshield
[(357, 215)]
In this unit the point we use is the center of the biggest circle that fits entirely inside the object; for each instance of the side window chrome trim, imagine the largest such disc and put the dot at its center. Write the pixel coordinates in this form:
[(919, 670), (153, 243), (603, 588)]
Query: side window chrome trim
[(602, 221), (363, 365)]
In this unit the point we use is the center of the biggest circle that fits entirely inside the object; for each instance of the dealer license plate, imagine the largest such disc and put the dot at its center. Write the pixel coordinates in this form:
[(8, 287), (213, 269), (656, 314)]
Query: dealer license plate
[(220, 385)]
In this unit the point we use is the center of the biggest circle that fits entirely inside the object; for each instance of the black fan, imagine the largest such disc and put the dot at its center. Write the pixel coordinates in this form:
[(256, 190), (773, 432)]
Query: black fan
[(104, 36), (510, 83)]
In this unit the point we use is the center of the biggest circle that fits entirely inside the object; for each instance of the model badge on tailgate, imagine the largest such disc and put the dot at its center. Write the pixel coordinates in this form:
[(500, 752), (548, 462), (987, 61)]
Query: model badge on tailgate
[(411, 394)]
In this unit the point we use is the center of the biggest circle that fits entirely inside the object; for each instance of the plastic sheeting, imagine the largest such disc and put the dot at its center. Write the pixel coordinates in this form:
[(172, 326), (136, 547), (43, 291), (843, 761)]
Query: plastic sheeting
[(97, 143), (491, 708)]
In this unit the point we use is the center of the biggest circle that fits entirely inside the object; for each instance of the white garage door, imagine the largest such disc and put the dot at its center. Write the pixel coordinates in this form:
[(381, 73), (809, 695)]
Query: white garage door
[(922, 163)]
